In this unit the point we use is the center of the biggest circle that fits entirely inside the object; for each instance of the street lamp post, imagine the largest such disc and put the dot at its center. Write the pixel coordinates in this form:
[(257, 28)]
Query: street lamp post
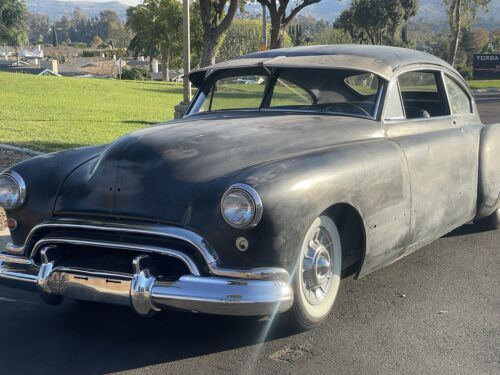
[(181, 108)]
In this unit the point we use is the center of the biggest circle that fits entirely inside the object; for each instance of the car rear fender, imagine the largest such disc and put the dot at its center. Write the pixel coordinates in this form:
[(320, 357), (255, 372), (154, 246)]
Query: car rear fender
[(489, 171)]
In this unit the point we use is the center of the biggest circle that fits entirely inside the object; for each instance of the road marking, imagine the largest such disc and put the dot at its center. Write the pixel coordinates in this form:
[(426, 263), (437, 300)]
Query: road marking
[(7, 299), (16, 300)]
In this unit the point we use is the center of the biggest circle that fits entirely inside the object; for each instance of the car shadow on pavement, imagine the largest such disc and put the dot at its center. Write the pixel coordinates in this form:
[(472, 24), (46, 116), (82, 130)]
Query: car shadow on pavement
[(467, 229), (94, 338)]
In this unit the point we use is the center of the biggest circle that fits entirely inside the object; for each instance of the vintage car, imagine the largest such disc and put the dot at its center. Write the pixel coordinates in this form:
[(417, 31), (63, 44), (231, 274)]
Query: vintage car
[(329, 161)]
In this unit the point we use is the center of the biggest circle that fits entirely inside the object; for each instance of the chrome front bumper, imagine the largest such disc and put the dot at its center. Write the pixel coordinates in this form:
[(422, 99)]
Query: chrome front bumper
[(144, 293), (226, 291)]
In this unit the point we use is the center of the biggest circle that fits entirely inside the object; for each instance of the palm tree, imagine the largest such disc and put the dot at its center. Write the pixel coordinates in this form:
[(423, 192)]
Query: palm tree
[(19, 40)]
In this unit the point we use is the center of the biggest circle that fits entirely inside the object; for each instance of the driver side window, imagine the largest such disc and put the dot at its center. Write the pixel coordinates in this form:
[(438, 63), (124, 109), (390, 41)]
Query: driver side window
[(422, 94)]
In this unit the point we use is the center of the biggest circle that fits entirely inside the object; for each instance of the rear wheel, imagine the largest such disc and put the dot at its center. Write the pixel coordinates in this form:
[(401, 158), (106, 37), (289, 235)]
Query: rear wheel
[(491, 222), (317, 276)]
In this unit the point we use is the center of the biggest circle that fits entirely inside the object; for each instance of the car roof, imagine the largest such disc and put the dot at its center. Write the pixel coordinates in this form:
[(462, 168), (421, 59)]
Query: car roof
[(380, 60)]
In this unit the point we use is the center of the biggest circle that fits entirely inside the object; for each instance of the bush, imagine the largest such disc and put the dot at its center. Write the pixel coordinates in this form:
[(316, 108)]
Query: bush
[(87, 53), (136, 74), (465, 70)]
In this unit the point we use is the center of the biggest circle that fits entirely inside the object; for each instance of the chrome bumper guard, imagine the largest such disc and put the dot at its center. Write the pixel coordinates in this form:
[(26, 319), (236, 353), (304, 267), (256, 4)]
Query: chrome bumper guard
[(144, 293)]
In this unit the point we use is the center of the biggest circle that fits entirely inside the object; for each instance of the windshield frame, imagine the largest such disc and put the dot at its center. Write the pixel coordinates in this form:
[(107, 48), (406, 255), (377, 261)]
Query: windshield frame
[(274, 75)]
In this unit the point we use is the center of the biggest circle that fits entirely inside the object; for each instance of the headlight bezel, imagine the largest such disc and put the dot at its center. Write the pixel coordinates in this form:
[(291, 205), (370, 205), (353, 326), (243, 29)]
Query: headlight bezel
[(254, 197), (21, 187)]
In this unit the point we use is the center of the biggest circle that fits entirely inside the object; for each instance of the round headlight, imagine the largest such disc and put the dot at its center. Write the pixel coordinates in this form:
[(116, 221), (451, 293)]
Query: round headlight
[(12, 190), (241, 206)]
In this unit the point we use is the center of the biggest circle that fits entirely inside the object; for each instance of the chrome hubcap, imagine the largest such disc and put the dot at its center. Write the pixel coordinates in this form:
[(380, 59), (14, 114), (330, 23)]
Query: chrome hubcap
[(317, 266)]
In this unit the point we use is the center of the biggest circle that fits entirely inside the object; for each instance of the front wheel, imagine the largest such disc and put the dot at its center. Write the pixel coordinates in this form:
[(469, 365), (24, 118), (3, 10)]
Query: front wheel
[(491, 222), (316, 279)]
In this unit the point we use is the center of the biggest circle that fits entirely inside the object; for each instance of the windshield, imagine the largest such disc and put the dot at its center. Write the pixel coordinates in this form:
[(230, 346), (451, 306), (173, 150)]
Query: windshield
[(333, 91)]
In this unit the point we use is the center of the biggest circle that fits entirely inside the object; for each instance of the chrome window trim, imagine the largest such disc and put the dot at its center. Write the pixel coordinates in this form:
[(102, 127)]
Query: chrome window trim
[(16, 177), (437, 69)]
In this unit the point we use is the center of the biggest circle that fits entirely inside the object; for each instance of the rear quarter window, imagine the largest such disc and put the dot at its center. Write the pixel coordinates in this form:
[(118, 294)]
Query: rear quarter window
[(460, 103)]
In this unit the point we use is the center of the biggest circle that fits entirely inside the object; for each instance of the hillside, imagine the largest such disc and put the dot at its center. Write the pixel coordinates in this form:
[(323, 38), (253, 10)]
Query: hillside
[(430, 10), (56, 9)]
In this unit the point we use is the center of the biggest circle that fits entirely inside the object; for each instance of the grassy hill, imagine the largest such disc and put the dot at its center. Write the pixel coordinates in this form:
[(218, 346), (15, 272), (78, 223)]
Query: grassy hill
[(52, 113)]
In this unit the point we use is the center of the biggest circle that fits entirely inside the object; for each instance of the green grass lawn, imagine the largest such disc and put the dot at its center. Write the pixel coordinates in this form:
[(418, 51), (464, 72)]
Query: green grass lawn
[(52, 113), (493, 84)]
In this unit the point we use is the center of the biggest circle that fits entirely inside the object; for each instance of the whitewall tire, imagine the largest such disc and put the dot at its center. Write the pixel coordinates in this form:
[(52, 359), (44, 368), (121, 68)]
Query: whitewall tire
[(316, 279)]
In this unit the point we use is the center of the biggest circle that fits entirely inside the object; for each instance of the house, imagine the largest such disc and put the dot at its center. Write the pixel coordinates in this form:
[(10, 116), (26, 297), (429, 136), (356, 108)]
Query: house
[(42, 68), (153, 66), (6, 52)]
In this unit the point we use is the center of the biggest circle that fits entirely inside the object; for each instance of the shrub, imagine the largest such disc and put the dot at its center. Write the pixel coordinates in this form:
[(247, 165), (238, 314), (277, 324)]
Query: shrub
[(136, 74), (465, 70)]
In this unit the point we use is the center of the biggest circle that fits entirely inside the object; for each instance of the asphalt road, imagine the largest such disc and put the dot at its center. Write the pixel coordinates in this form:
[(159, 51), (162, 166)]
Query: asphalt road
[(436, 311)]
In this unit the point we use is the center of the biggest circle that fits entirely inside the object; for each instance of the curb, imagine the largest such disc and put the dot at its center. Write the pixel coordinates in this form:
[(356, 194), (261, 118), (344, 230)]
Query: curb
[(480, 91), (20, 149)]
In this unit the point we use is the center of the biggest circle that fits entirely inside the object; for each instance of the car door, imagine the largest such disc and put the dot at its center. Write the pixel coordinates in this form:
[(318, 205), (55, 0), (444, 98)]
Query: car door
[(441, 157)]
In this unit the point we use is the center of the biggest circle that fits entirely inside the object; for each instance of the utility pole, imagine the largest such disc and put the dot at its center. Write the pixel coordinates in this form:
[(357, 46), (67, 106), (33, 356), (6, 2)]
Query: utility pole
[(264, 26), (186, 36), (180, 109)]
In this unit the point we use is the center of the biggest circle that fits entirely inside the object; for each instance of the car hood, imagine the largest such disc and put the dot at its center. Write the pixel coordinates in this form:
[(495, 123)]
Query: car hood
[(155, 173)]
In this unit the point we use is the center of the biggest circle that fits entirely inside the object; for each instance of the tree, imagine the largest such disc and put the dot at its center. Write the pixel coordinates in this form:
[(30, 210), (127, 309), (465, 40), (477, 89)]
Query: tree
[(197, 42), (332, 36), (280, 20), (243, 36), (96, 41), (461, 15), (481, 39), (19, 39), (346, 22), (12, 16), (38, 28), (215, 21), (157, 25), (377, 21)]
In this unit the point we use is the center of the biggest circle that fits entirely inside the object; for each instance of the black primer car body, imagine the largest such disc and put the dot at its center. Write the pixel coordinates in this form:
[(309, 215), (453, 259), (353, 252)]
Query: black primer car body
[(146, 209)]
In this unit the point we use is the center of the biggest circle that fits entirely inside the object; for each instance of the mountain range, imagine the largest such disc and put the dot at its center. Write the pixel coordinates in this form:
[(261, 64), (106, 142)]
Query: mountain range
[(56, 9), (430, 10)]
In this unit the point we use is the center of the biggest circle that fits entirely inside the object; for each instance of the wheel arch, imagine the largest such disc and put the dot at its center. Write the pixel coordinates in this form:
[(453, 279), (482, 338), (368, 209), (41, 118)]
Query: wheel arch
[(352, 232)]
